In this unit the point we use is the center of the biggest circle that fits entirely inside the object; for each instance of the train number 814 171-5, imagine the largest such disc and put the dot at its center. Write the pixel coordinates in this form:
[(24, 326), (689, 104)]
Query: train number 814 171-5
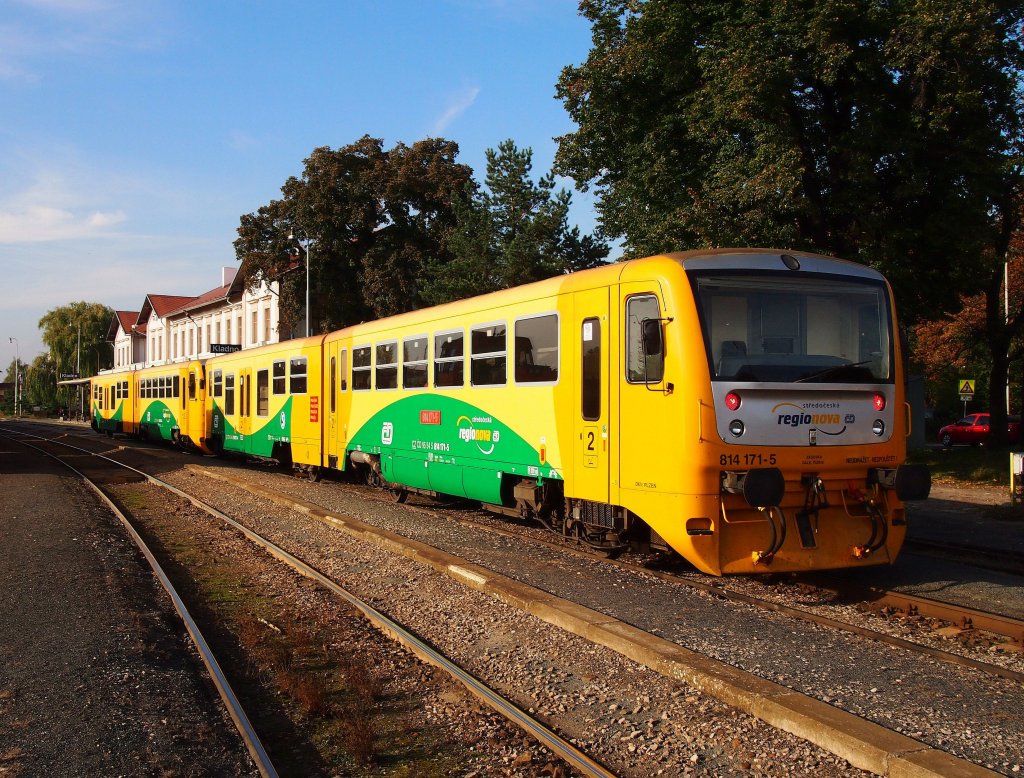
[(746, 460)]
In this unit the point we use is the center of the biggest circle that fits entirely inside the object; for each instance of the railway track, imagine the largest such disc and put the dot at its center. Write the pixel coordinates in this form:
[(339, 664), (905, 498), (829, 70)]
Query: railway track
[(227, 694), (978, 556), (714, 590), (959, 616), (531, 726)]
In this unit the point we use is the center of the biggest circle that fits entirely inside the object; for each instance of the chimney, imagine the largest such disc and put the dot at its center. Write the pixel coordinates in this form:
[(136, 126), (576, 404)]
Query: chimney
[(227, 275)]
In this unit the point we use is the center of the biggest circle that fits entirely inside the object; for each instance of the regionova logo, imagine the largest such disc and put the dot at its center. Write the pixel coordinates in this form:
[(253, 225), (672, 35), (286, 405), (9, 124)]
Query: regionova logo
[(788, 414), (469, 432)]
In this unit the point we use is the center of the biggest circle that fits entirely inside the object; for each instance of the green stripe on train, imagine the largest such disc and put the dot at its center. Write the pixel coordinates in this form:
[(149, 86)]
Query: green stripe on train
[(113, 424), (275, 429), (436, 442), (157, 421)]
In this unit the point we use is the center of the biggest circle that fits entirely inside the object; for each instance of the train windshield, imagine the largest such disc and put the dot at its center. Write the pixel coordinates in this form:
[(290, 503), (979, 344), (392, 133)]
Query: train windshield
[(785, 327)]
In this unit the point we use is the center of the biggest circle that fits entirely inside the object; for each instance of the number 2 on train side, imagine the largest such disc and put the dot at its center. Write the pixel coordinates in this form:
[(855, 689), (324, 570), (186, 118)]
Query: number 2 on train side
[(590, 447)]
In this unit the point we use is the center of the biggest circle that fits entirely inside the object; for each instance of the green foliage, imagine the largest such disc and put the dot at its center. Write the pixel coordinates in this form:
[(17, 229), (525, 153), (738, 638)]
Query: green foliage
[(884, 132), (512, 231), (40, 385), (374, 217), (61, 327), (966, 464)]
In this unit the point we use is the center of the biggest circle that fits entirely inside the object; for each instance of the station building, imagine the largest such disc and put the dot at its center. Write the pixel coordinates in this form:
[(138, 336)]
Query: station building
[(177, 328)]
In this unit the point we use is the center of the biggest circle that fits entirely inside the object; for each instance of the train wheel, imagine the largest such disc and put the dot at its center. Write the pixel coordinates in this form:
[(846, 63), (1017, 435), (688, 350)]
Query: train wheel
[(313, 473)]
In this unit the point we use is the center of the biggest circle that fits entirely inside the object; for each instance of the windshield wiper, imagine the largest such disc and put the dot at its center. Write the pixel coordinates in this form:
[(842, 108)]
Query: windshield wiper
[(831, 369)]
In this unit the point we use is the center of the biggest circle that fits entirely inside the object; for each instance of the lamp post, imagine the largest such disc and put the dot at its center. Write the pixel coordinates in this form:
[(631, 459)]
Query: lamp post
[(305, 247), (17, 376)]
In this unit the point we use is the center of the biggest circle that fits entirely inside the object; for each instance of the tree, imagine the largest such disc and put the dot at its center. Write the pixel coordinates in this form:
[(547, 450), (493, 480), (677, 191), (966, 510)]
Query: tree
[(883, 132), (374, 216), (512, 231), (61, 327), (40, 384), (14, 369), (886, 132)]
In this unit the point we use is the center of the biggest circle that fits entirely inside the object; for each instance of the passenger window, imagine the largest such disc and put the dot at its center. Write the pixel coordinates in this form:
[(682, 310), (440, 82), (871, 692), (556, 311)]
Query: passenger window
[(488, 357), (191, 385), (297, 385), (640, 367), (229, 394), (334, 384), (361, 368), (176, 386), (218, 383), (536, 349), (262, 393), (448, 359), (279, 377), (344, 370), (414, 362), (387, 365), (590, 354)]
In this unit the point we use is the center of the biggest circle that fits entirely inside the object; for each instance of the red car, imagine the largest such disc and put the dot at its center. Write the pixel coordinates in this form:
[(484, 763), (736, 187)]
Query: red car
[(974, 430)]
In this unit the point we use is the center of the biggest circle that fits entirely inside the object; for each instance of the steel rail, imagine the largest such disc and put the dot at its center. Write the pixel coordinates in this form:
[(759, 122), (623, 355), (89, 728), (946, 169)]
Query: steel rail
[(1001, 625), (227, 694), (988, 558), (916, 605), (505, 707)]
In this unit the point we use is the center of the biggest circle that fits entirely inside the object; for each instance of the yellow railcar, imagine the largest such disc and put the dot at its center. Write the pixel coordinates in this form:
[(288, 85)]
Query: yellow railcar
[(169, 404), (744, 407), (266, 402), (112, 403)]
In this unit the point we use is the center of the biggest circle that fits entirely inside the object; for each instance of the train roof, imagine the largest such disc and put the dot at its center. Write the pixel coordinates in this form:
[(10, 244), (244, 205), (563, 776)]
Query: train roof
[(625, 271)]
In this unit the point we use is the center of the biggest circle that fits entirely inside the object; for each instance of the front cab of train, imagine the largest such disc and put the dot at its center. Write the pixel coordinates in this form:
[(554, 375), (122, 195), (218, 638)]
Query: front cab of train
[(805, 427)]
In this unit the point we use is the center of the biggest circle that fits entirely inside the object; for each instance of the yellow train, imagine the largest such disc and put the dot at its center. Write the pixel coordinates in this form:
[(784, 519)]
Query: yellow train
[(163, 403), (744, 407)]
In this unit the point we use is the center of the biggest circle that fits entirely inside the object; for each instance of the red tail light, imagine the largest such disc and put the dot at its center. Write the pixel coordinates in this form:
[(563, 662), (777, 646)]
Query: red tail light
[(879, 402), (733, 401)]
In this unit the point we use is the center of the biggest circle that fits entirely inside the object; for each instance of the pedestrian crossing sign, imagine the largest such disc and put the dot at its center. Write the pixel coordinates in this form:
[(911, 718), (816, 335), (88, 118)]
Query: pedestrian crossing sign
[(967, 386)]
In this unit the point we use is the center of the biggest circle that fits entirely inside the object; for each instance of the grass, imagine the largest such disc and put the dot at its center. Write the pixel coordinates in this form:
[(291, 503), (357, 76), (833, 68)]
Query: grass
[(966, 465)]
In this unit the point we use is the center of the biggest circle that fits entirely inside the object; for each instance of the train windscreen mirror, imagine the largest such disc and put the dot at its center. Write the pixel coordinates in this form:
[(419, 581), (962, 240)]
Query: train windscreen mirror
[(651, 333)]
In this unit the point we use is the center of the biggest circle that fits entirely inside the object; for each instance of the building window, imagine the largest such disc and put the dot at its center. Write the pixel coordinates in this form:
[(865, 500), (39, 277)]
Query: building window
[(448, 359), (266, 325), (488, 357), (297, 385), (255, 333)]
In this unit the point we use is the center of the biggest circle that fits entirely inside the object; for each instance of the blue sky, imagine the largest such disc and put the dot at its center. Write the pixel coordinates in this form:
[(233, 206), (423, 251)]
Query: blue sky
[(133, 135)]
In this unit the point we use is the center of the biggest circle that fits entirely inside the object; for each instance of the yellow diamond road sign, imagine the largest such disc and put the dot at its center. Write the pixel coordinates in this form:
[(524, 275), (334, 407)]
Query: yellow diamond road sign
[(967, 386)]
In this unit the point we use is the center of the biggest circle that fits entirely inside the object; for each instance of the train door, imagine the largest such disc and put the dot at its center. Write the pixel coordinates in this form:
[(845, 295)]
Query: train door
[(181, 393), (196, 411), (592, 438), (245, 408), (336, 428)]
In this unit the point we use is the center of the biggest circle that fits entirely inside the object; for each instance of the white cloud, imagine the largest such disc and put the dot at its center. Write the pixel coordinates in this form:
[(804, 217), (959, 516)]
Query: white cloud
[(42, 30), (242, 141), (458, 104), (50, 209)]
